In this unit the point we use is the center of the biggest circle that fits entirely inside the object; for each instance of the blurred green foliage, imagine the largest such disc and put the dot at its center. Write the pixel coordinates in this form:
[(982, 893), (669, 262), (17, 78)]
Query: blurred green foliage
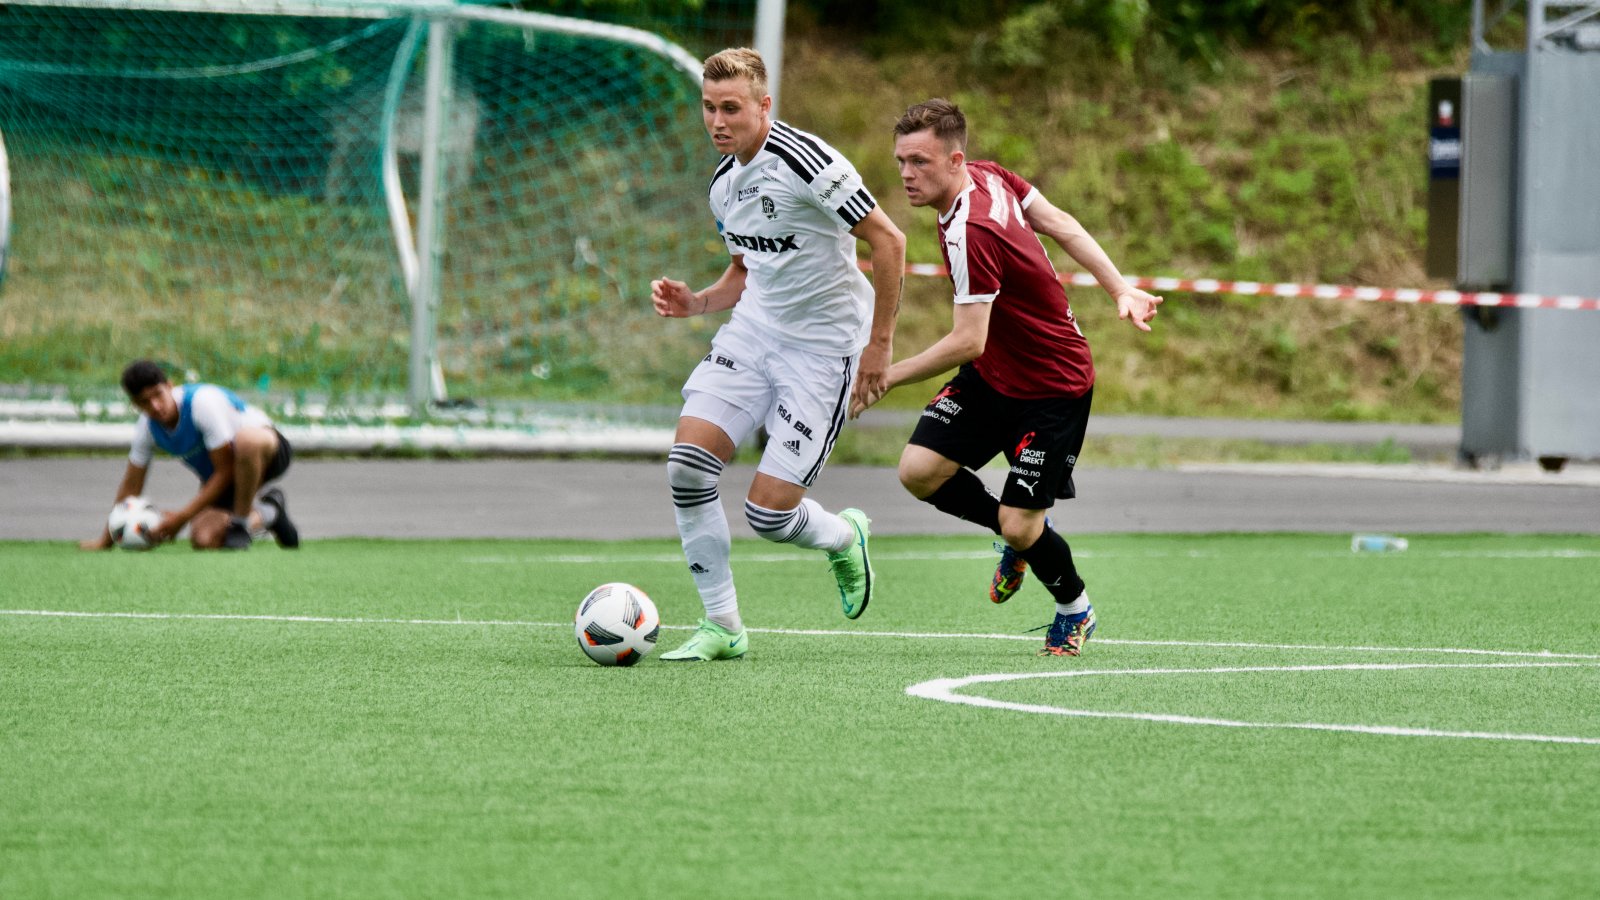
[(1275, 162), (1020, 32)]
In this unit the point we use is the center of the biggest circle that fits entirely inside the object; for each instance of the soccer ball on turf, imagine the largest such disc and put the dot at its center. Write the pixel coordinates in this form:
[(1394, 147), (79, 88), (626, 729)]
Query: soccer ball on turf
[(133, 523), (617, 624)]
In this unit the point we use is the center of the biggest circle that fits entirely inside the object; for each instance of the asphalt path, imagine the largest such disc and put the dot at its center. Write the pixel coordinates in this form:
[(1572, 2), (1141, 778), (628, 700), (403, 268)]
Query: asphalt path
[(61, 499)]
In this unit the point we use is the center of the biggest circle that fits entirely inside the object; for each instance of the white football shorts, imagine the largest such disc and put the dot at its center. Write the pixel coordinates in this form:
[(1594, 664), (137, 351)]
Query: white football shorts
[(802, 398)]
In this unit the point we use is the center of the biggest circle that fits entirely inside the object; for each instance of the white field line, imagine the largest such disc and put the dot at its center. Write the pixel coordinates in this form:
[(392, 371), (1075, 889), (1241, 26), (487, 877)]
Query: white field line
[(891, 556), (803, 632), (944, 690), (799, 557), (677, 558)]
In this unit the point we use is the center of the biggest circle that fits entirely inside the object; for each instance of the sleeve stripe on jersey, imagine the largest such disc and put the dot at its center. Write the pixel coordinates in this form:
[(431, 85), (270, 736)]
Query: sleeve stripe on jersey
[(804, 144), (794, 163), (722, 169), (955, 241), (805, 163), (857, 207), (798, 135)]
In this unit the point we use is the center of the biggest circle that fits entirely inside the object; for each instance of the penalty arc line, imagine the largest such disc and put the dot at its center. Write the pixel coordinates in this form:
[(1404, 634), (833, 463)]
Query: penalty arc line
[(944, 690)]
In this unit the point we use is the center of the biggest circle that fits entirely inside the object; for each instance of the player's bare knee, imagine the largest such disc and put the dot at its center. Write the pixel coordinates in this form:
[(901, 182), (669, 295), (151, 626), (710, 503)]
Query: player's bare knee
[(1020, 529), (922, 472), (917, 482), (207, 535)]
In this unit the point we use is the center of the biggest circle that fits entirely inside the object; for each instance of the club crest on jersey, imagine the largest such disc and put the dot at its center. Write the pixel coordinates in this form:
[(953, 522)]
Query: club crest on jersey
[(768, 207)]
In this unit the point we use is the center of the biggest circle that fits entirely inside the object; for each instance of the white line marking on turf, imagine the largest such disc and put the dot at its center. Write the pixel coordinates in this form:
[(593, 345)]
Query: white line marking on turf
[(804, 632), (891, 556), (247, 617), (944, 689), (677, 558), (811, 558)]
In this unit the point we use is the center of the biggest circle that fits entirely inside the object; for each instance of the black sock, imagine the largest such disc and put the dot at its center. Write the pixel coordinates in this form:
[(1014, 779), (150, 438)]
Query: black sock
[(965, 497), (1051, 561)]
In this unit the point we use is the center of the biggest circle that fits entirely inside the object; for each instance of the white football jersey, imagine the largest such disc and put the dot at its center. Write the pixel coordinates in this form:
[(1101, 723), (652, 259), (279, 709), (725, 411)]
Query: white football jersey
[(789, 212)]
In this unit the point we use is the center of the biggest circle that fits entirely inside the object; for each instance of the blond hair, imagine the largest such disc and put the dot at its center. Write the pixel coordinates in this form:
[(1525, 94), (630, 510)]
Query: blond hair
[(941, 117), (738, 63)]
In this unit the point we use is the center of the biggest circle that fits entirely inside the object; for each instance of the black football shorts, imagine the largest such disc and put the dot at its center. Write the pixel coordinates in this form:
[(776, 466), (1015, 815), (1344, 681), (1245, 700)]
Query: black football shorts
[(275, 469), (971, 423)]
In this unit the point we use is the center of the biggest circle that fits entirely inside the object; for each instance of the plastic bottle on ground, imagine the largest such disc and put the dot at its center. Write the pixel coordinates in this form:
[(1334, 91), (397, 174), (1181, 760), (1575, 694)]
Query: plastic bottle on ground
[(1377, 543)]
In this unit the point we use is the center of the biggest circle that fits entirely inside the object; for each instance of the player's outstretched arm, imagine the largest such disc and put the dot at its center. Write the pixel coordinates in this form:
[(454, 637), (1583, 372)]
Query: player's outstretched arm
[(673, 299), (968, 335), (132, 485), (888, 246), (1133, 304)]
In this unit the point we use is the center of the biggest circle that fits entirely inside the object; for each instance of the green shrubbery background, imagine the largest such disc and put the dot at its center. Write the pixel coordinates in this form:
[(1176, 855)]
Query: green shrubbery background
[(1237, 140), (1257, 140)]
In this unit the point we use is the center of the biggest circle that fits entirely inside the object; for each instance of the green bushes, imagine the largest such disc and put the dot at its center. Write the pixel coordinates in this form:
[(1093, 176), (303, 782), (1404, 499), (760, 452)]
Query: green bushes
[(1020, 34), (1279, 165)]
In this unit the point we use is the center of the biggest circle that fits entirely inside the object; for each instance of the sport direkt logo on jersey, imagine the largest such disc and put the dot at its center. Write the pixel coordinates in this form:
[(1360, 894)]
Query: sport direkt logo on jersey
[(781, 244)]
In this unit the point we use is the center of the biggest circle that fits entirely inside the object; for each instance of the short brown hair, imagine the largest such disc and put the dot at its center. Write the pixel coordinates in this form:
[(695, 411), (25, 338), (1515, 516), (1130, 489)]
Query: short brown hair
[(940, 116), (741, 63)]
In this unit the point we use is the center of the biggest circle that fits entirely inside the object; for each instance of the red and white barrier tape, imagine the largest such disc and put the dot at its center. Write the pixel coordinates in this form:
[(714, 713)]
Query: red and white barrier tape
[(1319, 291)]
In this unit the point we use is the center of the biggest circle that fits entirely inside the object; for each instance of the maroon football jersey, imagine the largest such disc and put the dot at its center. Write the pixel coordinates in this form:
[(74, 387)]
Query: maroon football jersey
[(1034, 349)]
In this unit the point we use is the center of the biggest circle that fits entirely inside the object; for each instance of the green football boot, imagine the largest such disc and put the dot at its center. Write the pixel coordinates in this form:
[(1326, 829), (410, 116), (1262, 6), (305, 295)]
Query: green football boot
[(852, 568), (711, 641)]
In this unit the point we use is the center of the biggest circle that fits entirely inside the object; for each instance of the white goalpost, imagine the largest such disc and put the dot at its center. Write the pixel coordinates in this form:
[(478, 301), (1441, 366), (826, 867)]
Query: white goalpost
[(293, 193)]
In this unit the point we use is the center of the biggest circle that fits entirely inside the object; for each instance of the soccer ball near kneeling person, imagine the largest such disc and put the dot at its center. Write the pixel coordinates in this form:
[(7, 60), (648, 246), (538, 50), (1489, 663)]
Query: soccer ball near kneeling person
[(133, 523), (617, 624)]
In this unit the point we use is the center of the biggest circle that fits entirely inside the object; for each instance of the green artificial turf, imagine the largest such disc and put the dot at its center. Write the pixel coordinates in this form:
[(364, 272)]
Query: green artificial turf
[(367, 718)]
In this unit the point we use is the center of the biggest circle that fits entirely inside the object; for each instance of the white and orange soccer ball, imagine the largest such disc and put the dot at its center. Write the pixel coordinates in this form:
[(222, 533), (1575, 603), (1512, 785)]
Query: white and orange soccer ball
[(617, 624), (133, 523)]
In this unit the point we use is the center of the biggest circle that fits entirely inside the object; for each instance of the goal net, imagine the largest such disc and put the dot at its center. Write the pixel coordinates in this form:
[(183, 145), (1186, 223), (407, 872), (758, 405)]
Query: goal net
[(241, 196)]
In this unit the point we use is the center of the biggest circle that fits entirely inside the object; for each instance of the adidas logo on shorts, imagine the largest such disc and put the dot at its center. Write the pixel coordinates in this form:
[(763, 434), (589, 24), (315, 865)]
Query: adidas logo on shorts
[(792, 446)]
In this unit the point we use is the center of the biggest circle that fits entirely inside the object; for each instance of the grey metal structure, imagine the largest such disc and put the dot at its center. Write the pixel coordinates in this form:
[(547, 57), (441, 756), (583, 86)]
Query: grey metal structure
[(1531, 377)]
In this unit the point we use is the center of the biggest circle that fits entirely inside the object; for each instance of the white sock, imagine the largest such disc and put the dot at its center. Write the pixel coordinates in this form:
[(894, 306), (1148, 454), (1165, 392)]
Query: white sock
[(1076, 608), (703, 527), (268, 513), (807, 525), (730, 620)]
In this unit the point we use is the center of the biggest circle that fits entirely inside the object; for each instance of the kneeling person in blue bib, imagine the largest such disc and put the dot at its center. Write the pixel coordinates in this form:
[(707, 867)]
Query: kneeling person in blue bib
[(230, 445)]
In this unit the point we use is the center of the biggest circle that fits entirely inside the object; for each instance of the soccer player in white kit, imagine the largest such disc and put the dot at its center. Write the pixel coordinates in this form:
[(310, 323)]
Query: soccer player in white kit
[(809, 334), (231, 446)]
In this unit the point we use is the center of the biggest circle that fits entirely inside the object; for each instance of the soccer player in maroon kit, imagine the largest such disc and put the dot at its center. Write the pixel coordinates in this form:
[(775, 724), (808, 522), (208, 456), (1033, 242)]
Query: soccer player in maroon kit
[(1025, 379)]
